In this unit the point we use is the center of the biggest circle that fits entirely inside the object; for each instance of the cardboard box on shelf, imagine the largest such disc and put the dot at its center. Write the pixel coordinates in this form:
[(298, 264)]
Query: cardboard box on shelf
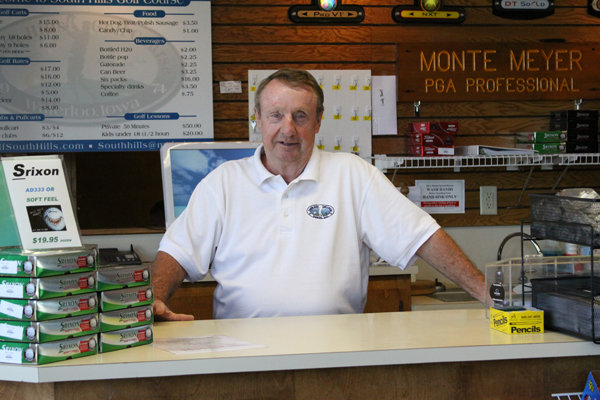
[(541, 136), (447, 127), (427, 151), (517, 320), (544, 148), (430, 139)]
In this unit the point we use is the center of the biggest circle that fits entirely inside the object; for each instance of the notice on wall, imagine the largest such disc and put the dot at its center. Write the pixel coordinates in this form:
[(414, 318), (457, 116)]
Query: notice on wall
[(440, 196), (104, 75), (41, 203)]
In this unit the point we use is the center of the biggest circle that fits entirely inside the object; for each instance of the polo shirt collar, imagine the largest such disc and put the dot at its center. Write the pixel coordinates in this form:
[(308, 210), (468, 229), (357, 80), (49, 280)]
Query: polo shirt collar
[(311, 171)]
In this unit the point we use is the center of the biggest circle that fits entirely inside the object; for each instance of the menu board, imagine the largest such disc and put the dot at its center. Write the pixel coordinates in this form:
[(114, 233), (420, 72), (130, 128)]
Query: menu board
[(104, 75)]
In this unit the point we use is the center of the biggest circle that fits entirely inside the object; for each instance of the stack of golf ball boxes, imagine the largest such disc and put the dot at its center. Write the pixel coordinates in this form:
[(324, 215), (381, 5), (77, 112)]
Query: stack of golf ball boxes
[(126, 298), (48, 305), (60, 304)]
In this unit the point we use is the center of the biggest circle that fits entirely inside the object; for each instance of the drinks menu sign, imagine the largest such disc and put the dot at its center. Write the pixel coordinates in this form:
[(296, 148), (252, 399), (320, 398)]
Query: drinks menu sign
[(104, 75)]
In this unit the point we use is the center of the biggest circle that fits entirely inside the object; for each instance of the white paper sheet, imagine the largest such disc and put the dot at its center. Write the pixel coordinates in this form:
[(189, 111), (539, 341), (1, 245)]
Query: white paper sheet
[(203, 344), (383, 100)]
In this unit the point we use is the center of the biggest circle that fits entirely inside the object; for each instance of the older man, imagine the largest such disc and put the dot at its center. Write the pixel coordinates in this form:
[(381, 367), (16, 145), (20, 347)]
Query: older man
[(289, 230)]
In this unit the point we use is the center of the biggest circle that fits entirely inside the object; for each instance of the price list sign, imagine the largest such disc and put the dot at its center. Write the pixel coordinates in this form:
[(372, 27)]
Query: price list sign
[(104, 75)]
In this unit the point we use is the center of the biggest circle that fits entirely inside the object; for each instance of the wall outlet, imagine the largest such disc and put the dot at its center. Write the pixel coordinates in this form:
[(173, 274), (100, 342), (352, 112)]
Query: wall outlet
[(488, 200)]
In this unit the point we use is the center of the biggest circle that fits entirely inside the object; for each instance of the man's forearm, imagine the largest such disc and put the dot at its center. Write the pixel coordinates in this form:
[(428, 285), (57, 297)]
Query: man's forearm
[(167, 275), (442, 253)]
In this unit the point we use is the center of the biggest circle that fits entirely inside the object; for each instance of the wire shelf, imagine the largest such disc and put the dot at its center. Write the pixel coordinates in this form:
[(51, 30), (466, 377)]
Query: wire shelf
[(568, 396), (384, 162)]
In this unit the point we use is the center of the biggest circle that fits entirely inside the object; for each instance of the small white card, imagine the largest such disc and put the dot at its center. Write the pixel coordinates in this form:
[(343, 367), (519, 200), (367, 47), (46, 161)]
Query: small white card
[(8, 267), (11, 355), (8, 308), (41, 202), (11, 290), (11, 332), (230, 87)]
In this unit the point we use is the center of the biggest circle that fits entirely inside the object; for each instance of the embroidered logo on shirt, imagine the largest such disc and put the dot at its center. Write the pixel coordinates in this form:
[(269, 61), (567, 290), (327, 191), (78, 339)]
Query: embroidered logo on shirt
[(320, 211)]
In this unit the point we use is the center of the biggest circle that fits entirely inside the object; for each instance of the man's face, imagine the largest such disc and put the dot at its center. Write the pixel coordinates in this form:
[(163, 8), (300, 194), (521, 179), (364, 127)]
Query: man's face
[(288, 123)]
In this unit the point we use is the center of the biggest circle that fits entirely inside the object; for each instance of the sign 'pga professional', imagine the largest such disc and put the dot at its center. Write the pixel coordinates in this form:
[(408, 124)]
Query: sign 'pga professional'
[(498, 71)]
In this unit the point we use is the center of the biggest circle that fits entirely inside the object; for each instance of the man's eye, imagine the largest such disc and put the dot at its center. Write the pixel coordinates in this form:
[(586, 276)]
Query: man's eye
[(300, 117), (275, 116)]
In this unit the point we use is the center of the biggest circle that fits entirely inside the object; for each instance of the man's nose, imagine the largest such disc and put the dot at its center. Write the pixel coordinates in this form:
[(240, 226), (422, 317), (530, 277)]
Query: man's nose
[(288, 126)]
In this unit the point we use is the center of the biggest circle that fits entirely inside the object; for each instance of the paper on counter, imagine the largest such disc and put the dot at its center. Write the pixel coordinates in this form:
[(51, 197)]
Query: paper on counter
[(203, 344)]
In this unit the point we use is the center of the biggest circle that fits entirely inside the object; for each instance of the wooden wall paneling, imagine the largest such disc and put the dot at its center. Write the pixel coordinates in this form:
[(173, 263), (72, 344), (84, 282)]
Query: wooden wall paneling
[(305, 53), (513, 180), (481, 122), (257, 34), (514, 188)]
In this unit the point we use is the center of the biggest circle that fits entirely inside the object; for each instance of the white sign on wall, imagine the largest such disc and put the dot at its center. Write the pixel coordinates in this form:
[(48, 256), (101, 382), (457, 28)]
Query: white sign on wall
[(346, 123), (109, 75), (440, 196)]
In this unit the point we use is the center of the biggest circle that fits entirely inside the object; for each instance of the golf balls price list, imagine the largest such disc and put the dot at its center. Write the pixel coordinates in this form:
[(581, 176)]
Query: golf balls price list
[(111, 78)]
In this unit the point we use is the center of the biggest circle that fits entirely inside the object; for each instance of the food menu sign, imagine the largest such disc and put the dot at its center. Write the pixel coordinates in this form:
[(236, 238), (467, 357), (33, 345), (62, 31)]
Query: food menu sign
[(104, 75)]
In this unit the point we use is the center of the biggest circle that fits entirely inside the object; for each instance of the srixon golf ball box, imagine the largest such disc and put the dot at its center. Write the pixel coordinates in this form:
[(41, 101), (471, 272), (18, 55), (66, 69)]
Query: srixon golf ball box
[(122, 276), (47, 287), (43, 310), (44, 353), (125, 298), (48, 331), (125, 338), (126, 318), (36, 264)]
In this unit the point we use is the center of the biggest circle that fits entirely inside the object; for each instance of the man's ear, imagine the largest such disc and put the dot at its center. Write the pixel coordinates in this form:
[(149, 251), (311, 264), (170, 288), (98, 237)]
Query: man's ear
[(256, 118), (319, 120)]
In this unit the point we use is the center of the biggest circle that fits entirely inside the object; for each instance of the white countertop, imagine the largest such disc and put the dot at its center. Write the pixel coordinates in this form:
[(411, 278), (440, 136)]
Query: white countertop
[(327, 341)]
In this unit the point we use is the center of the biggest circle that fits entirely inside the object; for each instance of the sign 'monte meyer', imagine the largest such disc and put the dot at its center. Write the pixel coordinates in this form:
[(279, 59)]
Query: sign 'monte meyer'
[(506, 71)]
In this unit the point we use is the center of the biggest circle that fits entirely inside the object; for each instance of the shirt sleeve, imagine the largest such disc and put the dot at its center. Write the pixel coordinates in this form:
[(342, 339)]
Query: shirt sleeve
[(192, 238), (392, 225)]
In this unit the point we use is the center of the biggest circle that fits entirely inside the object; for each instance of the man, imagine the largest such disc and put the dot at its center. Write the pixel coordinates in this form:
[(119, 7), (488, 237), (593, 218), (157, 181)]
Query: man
[(288, 231)]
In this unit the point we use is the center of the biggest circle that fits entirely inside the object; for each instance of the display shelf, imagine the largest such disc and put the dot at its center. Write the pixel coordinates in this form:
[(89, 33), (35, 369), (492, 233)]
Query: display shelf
[(568, 396), (561, 222), (509, 161)]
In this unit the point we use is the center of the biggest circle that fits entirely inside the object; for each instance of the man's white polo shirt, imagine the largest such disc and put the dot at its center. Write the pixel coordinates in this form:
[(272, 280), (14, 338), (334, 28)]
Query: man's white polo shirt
[(303, 248)]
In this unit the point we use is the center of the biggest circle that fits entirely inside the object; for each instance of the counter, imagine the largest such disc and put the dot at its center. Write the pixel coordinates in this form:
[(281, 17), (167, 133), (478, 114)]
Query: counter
[(420, 354)]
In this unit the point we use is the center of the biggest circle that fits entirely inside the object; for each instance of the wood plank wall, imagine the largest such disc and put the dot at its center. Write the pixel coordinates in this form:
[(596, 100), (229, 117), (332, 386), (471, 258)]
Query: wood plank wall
[(257, 34)]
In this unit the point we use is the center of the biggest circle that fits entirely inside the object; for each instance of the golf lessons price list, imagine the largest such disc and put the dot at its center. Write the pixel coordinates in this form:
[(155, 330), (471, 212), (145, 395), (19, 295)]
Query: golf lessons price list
[(104, 75)]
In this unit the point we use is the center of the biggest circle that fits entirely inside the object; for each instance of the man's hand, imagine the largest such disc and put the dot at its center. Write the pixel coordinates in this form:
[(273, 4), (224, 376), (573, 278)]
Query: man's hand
[(163, 313), (167, 275)]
